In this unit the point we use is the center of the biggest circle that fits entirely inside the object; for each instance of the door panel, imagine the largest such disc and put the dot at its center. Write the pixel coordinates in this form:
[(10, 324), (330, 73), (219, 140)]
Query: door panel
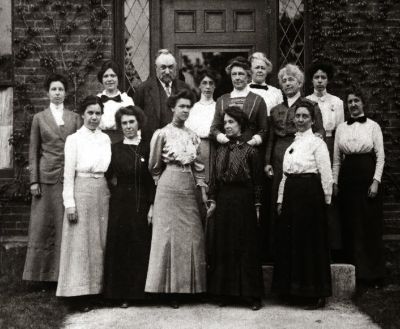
[(207, 34)]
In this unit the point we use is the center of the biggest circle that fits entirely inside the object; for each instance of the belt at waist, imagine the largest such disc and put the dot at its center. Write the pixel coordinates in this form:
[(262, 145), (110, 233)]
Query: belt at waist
[(181, 167), (303, 175), (90, 174)]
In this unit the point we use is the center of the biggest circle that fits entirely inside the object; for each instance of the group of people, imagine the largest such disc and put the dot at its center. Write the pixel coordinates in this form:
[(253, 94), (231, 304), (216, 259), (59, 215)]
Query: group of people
[(163, 194)]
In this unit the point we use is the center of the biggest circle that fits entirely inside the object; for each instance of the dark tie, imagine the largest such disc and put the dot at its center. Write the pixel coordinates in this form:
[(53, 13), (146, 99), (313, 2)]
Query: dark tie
[(256, 86), (105, 98), (168, 88), (359, 119)]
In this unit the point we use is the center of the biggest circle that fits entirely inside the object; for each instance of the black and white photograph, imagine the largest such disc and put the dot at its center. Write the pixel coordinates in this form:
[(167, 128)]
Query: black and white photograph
[(224, 164)]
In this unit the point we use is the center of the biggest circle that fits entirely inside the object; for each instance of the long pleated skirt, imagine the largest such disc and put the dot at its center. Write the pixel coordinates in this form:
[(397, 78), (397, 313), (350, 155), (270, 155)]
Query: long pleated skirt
[(83, 243), (362, 217), (177, 256), (235, 262), (302, 263), (44, 240)]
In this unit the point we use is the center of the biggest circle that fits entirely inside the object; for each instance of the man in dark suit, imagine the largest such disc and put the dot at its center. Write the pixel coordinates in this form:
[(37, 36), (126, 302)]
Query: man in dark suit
[(152, 94)]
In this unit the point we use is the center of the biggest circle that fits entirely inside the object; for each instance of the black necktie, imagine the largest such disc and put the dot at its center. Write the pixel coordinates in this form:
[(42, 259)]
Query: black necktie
[(105, 98), (358, 119), (256, 86)]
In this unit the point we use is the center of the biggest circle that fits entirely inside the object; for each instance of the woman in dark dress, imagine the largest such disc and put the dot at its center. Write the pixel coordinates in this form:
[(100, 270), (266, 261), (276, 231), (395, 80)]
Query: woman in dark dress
[(235, 194), (132, 194), (358, 162), (302, 263)]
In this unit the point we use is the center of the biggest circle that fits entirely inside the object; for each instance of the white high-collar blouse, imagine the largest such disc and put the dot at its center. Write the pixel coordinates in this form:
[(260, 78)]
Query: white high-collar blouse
[(308, 154), (331, 109), (85, 151), (356, 139)]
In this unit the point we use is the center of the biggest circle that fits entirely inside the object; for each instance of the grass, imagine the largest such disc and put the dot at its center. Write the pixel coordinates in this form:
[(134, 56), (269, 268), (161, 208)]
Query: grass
[(23, 305), (382, 305)]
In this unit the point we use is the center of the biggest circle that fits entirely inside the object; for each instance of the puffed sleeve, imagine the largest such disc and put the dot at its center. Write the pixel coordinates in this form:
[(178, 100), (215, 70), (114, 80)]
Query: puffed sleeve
[(262, 121), (377, 138), (34, 151), (340, 112), (323, 163), (70, 151), (270, 139), (337, 156), (217, 125), (156, 164), (256, 175), (198, 166)]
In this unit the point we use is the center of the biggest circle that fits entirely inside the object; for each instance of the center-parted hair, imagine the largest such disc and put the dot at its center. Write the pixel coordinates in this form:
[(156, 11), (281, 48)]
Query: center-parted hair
[(134, 110), (238, 114), (89, 100), (183, 93), (310, 106), (109, 65), (55, 77)]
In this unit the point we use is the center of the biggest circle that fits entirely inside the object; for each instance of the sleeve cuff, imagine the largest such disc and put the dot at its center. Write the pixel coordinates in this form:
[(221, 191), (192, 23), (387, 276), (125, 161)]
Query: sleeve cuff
[(257, 139), (221, 138), (378, 179)]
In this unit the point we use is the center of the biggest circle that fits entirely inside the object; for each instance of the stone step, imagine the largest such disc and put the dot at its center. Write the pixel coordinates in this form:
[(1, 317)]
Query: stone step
[(343, 280)]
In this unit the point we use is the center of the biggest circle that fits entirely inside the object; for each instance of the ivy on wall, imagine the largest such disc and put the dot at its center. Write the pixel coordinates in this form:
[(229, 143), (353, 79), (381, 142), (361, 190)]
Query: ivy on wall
[(64, 36), (362, 40)]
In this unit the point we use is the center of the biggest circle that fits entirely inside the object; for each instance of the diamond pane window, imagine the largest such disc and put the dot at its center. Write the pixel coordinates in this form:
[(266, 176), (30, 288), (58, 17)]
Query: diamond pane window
[(137, 42), (291, 32)]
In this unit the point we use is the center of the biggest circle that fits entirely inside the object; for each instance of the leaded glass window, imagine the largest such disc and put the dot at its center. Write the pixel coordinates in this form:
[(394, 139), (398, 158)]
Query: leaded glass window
[(137, 42), (291, 34)]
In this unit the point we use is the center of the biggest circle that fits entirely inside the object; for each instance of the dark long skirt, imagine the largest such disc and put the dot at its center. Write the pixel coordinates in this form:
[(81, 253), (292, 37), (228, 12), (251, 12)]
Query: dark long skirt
[(362, 217), (128, 245), (302, 266), (45, 231), (235, 264), (278, 152), (334, 223)]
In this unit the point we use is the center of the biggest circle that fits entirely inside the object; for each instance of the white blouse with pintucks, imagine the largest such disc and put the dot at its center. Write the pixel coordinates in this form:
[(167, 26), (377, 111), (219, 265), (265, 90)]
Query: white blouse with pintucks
[(359, 138), (85, 151), (308, 154), (200, 118), (110, 108), (331, 109)]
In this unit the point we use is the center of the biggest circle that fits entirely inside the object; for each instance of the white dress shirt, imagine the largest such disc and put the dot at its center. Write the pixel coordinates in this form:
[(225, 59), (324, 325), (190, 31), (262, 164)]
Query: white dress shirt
[(57, 112), (359, 138), (272, 97), (308, 154), (331, 110), (86, 151), (200, 118), (110, 108)]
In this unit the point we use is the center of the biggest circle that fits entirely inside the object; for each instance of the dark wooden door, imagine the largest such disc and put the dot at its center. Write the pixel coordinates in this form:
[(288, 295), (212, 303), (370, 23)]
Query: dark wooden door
[(207, 34)]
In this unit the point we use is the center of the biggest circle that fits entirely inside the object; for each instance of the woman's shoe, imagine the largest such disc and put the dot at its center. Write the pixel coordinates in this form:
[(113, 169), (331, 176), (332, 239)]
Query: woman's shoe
[(255, 304), (319, 303), (124, 304), (174, 303)]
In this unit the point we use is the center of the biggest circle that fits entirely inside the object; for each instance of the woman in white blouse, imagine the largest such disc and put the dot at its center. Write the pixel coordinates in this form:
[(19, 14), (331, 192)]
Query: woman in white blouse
[(331, 106), (302, 264), (358, 163), (201, 117), (332, 115), (112, 99), (86, 196)]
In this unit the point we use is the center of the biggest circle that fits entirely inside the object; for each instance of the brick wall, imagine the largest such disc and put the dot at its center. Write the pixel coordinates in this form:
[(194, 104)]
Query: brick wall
[(30, 73), (362, 38)]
